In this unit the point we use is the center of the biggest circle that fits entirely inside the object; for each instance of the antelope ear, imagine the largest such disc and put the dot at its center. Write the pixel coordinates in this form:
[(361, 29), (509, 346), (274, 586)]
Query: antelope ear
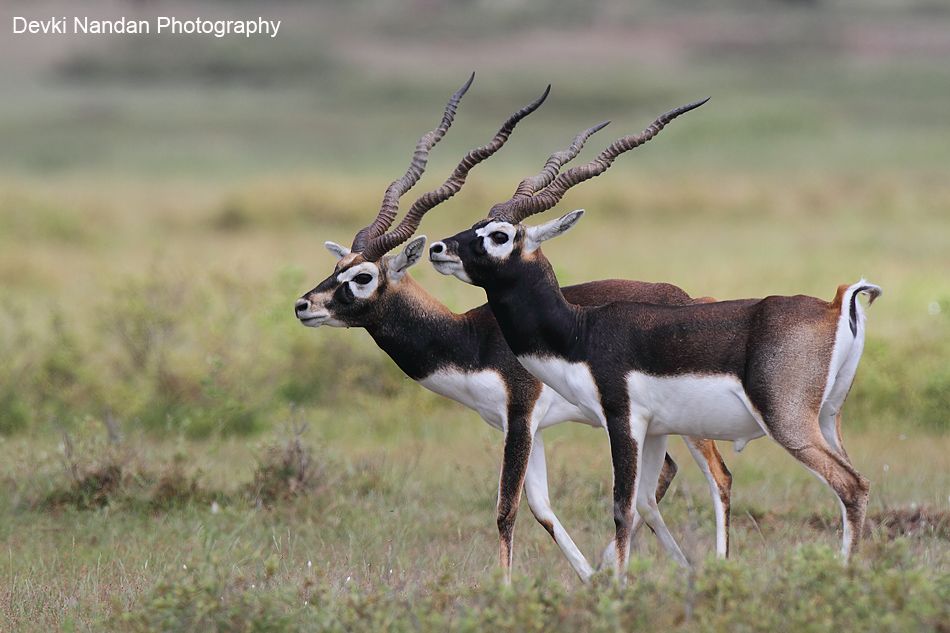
[(534, 235), (336, 250), (409, 256)]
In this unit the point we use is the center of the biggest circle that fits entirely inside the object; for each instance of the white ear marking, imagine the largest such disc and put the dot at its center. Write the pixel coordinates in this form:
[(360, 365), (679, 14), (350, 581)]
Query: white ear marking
[(534, 235), (337, 250), (415, 249), (409, 256)]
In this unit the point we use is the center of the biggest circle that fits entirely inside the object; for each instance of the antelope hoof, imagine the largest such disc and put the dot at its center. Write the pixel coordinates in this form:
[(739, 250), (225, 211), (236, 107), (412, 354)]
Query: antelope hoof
[(609, 558)]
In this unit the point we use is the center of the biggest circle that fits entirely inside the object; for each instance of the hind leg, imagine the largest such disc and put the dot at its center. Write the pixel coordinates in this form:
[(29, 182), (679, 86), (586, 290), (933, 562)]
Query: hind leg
[(840, 442), (667, 473), (719, 479), (829, 421), (851, 487)]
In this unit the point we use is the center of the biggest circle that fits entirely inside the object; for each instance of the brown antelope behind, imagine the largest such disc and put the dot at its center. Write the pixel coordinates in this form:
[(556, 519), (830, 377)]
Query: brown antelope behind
[(464, 356), (730, 370)]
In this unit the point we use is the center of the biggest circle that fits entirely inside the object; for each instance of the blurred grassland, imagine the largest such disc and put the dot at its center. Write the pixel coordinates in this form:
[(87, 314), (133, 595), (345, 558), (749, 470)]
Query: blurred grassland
[(161, 206)]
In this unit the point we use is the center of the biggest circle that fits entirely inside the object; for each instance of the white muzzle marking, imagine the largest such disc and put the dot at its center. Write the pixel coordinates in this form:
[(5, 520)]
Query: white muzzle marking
[(309, 316), (449, 265)]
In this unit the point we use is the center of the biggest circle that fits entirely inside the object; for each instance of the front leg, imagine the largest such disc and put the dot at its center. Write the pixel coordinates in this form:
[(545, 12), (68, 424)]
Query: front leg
[(667, 473), (536, 489), (653, 451), (511, 482), (626, 458)]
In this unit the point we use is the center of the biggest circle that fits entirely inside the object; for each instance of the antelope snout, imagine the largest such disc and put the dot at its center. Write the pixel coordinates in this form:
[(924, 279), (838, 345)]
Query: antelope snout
[(444, 259), (443, 251), (310, 314)]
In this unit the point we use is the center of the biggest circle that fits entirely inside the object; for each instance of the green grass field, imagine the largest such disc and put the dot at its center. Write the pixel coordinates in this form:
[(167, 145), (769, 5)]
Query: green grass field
[(178, 453)]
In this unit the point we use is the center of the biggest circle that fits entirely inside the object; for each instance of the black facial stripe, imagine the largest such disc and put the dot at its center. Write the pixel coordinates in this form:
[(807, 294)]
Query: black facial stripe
[(326, 285), (478, 247), (344, 294)]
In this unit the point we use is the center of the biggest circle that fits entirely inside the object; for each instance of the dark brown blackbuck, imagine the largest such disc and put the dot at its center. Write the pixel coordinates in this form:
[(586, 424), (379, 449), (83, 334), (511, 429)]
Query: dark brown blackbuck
[(733, 370), (464, 356)]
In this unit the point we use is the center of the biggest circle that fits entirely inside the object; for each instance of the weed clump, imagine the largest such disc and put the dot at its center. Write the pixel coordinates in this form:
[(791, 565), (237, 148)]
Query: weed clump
[(287, 471), (113, 476), (97, 474), (175, 488), (94, 488), (90, 482)]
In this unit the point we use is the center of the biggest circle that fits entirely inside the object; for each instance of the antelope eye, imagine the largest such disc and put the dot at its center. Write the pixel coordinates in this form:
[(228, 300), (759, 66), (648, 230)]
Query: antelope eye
[(498, 237), (363, 278)]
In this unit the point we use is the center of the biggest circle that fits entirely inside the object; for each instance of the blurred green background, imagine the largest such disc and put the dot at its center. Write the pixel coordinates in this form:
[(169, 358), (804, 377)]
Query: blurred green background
[(164, 200)]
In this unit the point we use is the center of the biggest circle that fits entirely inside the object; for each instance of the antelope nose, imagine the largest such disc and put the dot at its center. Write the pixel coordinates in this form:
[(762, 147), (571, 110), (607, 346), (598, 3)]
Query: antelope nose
[(436, 248), (301, 306)]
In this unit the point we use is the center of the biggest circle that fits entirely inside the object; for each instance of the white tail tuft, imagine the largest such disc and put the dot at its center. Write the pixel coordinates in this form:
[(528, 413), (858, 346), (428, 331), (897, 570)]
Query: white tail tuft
[(862, 287), (871, 290)]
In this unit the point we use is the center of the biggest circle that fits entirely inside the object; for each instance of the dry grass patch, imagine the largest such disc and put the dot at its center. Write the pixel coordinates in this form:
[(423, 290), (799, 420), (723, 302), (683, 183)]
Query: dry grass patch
[(287, 471), (115, 475)]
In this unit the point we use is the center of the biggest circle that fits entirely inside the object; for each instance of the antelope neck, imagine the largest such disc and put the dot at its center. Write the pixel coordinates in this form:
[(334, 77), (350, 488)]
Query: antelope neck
[(533, 314), (422, 335)]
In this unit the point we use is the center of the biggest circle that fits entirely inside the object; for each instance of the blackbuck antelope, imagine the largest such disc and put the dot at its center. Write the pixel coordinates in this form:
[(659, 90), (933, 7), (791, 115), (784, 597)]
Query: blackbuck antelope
[(464, 356), (731, 370)]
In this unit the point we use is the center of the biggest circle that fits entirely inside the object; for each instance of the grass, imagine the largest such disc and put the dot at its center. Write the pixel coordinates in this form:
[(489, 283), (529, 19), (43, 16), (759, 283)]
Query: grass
[(177, 453), (405, 534)]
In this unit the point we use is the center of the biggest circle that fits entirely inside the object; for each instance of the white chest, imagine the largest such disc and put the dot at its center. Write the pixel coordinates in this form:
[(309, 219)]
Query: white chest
[(573, 381), (482, 391)]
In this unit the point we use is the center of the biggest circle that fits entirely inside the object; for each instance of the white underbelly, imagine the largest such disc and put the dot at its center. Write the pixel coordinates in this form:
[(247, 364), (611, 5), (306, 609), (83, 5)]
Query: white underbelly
[(482, 391), (710, 406), (573, 381), (554, 409)]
